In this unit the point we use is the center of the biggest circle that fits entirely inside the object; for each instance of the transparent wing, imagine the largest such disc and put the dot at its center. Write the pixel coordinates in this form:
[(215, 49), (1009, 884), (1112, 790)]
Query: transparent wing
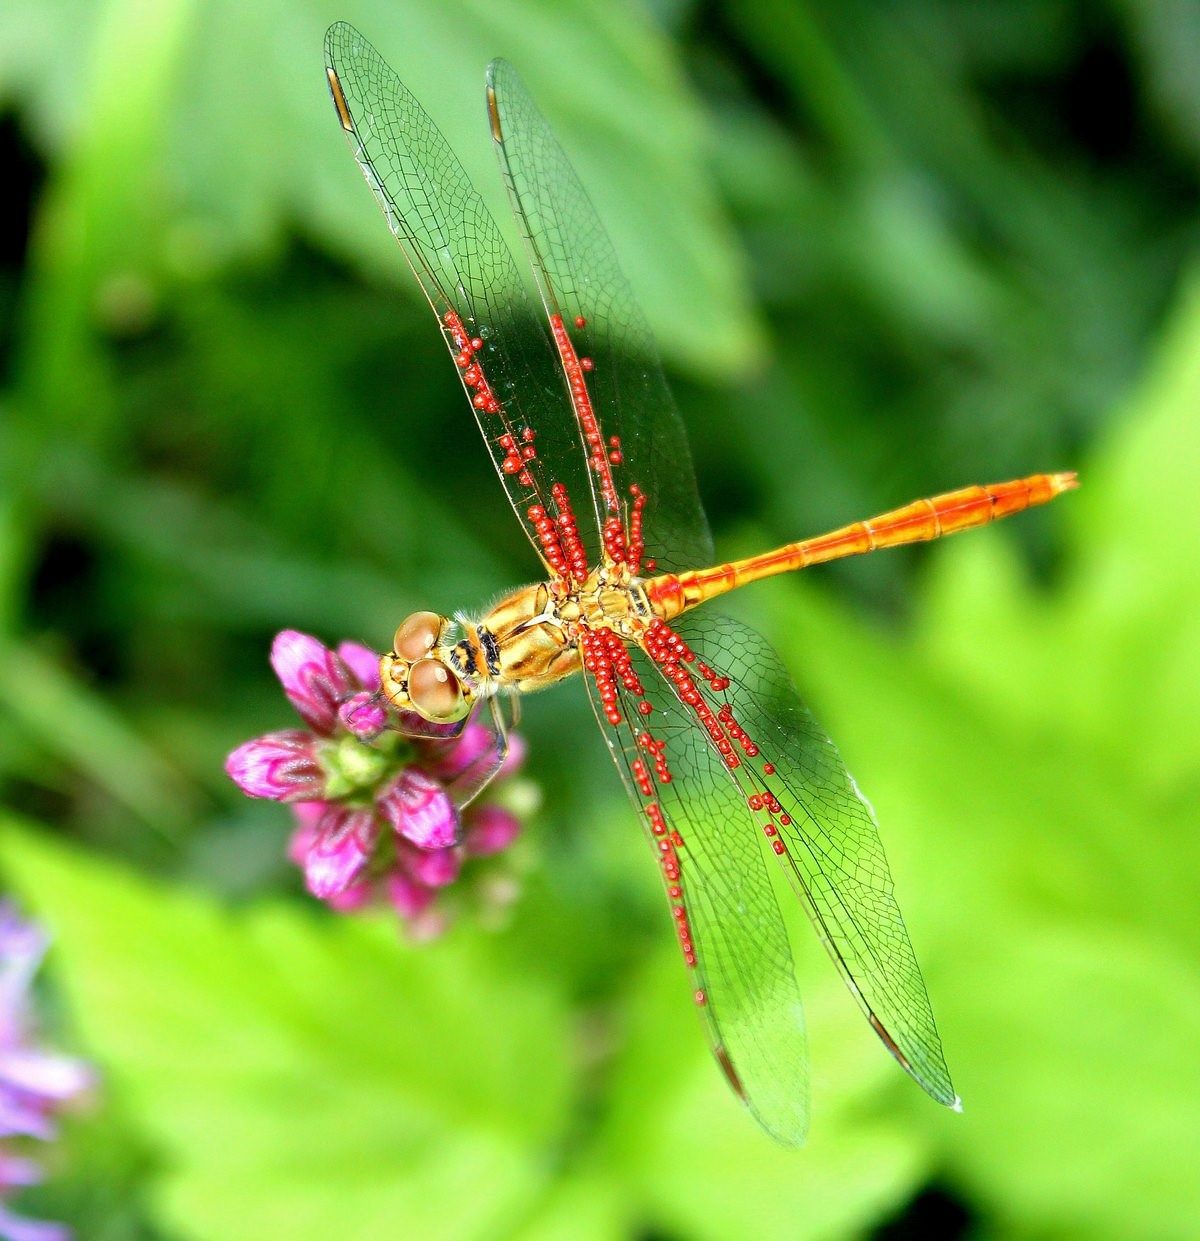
[(733, 939), (642, 440), (468, 274), (796, 794)]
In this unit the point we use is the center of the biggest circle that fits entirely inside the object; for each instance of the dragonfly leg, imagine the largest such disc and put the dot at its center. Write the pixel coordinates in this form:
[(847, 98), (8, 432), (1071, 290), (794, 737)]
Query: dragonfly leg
[(469, 783)]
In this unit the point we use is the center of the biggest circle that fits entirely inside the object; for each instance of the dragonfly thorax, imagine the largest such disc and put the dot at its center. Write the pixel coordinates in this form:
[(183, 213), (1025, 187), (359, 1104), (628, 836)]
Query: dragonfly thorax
[(528, 641)]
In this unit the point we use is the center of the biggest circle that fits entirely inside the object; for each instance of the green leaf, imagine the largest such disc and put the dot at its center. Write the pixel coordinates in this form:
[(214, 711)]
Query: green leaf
[(1032, 761), (303, 1076), (677, 1137)]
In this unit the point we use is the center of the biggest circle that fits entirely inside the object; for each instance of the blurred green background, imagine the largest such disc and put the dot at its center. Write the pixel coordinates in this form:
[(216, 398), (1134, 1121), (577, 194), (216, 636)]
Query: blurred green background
[(887, 249)]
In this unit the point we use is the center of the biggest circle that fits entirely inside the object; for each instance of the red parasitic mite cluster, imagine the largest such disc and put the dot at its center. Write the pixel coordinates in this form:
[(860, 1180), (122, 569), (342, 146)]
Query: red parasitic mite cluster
[(465, 360), (620, 546), (672, 654), (606, 659), (668, 861), (528, 453), (547, 535), (512, 462), (613, 535), (636, 544), (516, 456), (736, 731), (572, 544), (559, 539), (714, 679), (656, 748), (768, 802), (574, 370)]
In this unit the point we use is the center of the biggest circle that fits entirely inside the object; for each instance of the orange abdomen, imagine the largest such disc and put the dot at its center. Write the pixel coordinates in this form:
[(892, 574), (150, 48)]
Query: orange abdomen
[(918, 522)]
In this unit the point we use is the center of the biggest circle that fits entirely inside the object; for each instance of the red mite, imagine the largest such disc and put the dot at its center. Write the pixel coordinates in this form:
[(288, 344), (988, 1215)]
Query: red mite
[(727, 770)]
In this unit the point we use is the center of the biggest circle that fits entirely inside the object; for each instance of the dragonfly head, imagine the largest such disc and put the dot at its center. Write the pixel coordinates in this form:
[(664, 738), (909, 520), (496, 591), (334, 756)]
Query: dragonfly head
[(415, 675)]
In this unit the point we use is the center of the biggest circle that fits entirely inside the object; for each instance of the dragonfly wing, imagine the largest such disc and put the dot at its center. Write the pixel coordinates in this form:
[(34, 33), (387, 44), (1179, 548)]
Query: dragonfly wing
[(468, 274), (722, 899), (642, 439), (797, 793)]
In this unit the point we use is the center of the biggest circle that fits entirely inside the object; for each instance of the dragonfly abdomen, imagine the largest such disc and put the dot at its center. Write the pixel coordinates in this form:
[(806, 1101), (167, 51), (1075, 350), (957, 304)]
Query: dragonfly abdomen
[(918, 522)]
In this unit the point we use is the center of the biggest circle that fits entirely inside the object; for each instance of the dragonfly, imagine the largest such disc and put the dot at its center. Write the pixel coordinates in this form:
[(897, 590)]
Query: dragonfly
[(728, 771)]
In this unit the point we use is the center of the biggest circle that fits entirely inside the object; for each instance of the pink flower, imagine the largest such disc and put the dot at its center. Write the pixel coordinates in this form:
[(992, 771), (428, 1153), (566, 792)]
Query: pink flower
[(342, 843), (363, 715), (375, 813), (418, 808), (34, 1083), (313, 677), (492, 830), (282, 766), (363, 662)]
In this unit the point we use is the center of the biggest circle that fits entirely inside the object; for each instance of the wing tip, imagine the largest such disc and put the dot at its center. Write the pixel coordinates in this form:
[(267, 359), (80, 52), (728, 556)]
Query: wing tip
[(955, 1104), (497, 67), (335, 34)]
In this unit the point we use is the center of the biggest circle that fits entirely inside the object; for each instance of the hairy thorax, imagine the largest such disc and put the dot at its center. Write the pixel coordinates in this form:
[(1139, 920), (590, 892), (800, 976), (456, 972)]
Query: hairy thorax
[(531, 638)]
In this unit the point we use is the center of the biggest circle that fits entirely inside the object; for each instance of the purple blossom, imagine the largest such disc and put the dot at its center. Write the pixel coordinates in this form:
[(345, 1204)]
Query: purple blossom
[(375, 812), (314, 678), (342, 843), (282, 766), (420, 810), (34, 1083)]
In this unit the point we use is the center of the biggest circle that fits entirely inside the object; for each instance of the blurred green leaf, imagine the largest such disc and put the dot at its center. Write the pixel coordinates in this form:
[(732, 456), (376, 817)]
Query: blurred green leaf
[(221, 112), (676, 1136), (964, 227), (1052, 855), (303, 1076)]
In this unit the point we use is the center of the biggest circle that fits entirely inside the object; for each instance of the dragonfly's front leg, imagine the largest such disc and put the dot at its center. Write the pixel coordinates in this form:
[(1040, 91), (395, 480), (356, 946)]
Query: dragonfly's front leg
[(485, 767)]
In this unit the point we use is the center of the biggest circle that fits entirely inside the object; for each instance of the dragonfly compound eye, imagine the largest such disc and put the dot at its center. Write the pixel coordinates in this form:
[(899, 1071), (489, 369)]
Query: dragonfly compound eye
[(418, 635), (436, 692)]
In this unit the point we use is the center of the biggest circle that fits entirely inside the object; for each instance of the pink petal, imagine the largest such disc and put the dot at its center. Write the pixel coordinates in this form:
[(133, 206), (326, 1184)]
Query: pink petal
[(43, 1076), (416, 805), (514, 760), (19, 1228), (312, 676), (308, 815), (449, 759), (21, 1115), (352, 898), (15, 1170), (362, 662), (490, 829), (20, 939), (282, 766), (407, 896), (342, 846), (364, 715), (433, 867), (428, 925)]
